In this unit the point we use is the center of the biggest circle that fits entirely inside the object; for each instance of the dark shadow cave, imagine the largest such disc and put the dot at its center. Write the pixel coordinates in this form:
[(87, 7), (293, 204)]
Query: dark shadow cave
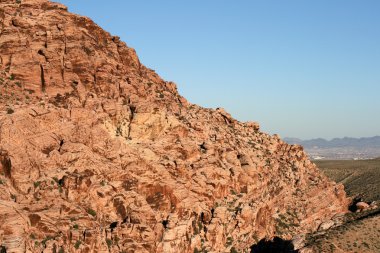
[(277, 245)]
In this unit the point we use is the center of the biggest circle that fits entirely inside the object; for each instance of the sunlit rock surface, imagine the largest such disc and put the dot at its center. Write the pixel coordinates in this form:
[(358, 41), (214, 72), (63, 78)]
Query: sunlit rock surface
[(99, 154)]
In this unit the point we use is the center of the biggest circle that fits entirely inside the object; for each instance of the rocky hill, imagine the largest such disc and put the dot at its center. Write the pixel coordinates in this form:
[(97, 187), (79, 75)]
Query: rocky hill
[(99, 154)]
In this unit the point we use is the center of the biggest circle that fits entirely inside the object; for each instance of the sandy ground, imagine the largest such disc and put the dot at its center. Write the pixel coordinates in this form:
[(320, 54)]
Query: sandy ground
[(361, 234)]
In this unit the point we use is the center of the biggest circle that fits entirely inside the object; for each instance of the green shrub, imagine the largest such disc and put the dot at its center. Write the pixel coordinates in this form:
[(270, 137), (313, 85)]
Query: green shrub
[(77, 244), (46, 239), (229, 241), (109, 243), (233, 250), (91, 212), (37, 184)]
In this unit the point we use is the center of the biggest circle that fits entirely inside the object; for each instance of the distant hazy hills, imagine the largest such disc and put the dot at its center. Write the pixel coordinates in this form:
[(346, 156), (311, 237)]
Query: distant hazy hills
[(340, 148), (369, 142)]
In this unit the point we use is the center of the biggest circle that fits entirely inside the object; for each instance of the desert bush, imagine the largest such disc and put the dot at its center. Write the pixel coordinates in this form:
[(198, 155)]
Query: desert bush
[(91, 212), (77, 244)]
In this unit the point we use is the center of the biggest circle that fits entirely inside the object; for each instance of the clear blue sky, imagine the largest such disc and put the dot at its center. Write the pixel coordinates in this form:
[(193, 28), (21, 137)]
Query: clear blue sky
[(301, 68)]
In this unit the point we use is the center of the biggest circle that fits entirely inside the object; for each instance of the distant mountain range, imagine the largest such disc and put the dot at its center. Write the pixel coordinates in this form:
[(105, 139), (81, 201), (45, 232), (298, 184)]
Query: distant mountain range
[(367, 142), (340, 148)]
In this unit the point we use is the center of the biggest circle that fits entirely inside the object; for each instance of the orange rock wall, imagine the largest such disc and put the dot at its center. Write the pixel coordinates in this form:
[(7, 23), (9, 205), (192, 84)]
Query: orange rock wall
[(99, 154)]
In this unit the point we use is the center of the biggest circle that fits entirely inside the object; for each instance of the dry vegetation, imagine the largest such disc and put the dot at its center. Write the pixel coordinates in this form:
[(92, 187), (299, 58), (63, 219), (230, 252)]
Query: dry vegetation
[(360, 178), (361, 231)]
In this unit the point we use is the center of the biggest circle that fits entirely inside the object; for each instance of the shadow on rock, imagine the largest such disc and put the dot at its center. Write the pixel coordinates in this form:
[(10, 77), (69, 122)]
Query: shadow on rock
[(277, 245)]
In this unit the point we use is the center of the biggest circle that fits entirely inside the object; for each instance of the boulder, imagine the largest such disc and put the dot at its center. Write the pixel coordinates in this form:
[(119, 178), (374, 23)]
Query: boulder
[(361, 206)]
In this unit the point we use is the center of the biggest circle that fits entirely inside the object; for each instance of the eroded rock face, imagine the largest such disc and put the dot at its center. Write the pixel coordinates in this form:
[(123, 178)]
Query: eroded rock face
[(99, 154)]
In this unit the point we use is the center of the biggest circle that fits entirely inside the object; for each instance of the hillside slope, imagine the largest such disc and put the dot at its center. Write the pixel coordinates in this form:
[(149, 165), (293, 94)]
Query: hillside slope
[(99, 154), (360, 178)]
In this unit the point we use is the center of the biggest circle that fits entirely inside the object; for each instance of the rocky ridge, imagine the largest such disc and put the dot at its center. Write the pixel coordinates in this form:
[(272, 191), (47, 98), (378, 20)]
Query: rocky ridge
[(99, 154)]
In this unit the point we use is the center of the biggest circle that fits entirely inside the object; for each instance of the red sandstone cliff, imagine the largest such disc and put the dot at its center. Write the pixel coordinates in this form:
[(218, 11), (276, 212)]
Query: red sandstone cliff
[(99, 154)]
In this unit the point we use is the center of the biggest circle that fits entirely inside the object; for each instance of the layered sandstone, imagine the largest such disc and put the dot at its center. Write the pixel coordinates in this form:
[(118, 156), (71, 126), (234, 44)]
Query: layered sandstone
[(99, 154)]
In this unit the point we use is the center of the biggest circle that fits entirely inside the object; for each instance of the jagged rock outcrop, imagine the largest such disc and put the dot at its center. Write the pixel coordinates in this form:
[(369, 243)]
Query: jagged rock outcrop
[(99, 154)]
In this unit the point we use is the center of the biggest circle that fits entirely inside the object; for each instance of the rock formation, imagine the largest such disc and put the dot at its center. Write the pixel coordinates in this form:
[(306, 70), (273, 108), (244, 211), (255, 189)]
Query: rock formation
[(99, 154)]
